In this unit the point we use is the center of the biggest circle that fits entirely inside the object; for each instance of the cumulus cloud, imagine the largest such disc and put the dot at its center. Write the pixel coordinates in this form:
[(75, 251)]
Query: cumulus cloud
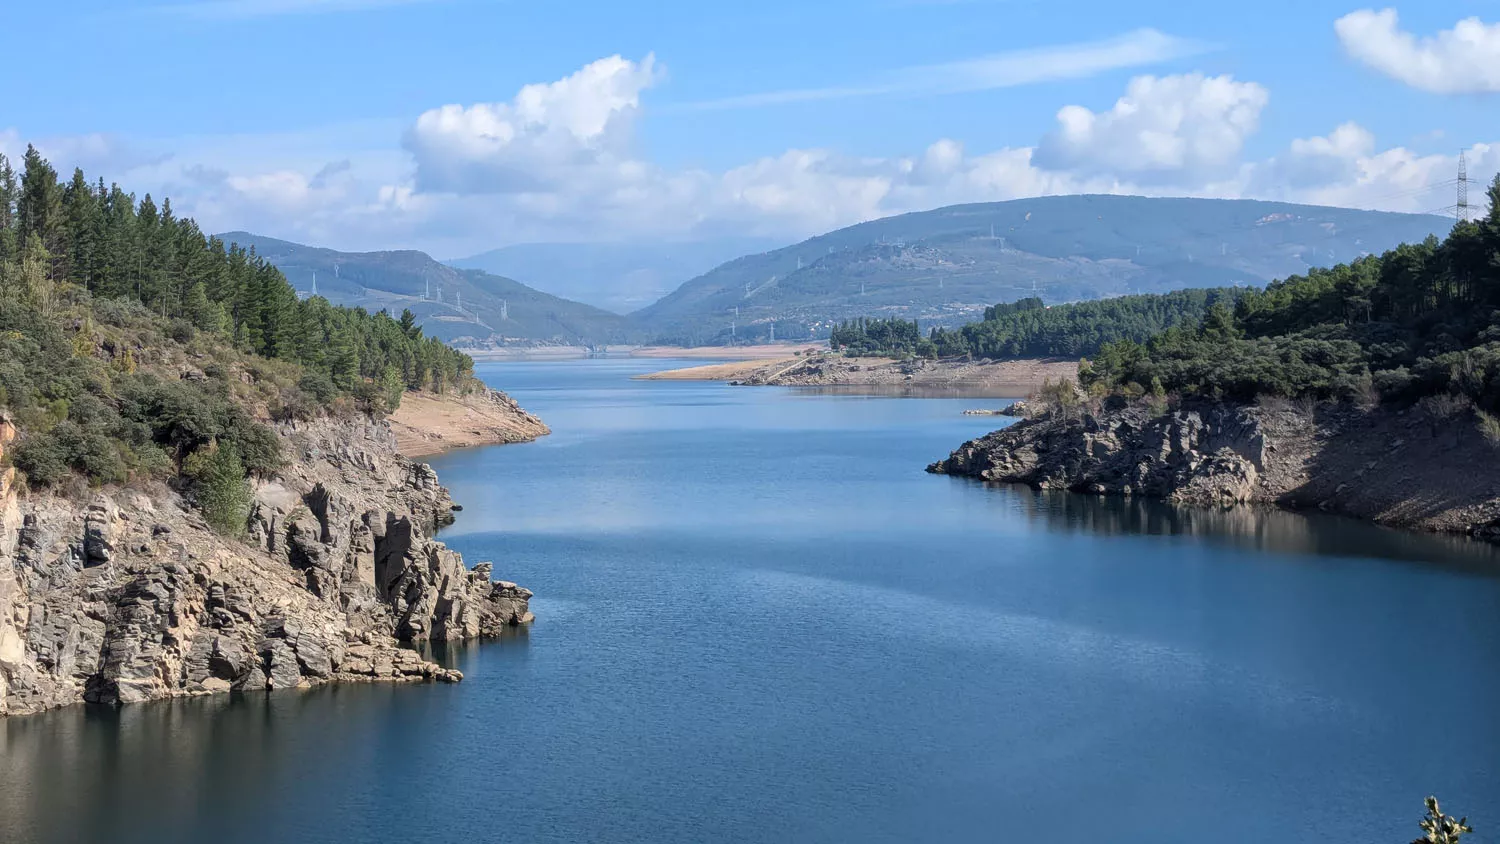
[(1172, 129), (549, 134), (557, 162), (1464, 59), (1346, 168)]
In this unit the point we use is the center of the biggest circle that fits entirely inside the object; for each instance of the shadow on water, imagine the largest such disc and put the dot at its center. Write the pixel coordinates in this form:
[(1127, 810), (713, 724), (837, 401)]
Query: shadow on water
[(465, 655), (1247, 527), (162, 771)]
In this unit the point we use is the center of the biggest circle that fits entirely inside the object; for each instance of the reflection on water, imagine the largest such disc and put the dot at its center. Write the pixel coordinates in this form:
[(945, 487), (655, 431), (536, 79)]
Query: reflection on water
[(759, 620), (1248, 527)]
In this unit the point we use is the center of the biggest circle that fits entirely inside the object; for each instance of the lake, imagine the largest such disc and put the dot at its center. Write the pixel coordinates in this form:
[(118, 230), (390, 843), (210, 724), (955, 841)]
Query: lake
[(759, 620)]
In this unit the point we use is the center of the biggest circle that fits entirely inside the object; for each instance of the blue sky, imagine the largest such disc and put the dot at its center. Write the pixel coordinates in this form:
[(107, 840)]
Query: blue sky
[(319, 120)]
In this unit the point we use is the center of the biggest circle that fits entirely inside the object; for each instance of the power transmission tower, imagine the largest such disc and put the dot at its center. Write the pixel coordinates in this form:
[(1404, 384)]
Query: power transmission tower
[(1462, 209)]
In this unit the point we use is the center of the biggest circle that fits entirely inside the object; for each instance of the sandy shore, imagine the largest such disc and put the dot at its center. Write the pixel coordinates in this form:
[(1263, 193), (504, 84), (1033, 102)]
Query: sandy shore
[(1014, 378), (761, 352), (716, 371), (771, 351), (428, 424)]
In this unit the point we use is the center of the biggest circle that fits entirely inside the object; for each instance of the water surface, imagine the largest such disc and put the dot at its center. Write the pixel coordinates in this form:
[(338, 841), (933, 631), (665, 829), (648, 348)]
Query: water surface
[(760, 621)]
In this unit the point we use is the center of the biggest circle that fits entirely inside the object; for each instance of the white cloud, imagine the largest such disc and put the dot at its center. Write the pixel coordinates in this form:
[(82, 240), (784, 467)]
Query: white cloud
[(548, 134), (1000, 70), (1171, 129), (557, 162), (1464, 59), (1346, 169), (242, 9)]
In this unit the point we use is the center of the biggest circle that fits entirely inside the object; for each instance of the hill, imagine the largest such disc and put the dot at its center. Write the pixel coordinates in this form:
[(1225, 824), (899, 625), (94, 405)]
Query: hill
[(619, 277), (945, 266), (199, 491), (466, 307), (1370, 388)]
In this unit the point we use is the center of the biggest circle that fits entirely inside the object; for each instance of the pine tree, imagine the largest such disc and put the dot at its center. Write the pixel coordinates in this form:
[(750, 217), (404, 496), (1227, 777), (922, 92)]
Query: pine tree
[(223, 494), (9, 191), (39, 205), (81, 226), (1493, 191), (199, 311)]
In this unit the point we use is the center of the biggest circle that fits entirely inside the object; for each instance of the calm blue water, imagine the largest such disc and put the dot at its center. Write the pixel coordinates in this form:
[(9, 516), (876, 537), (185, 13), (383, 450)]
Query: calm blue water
[(760, 621)]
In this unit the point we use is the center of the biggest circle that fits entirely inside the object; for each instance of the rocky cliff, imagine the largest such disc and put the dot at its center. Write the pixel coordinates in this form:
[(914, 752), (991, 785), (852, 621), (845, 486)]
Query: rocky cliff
[(1430, 467), (128, 596)]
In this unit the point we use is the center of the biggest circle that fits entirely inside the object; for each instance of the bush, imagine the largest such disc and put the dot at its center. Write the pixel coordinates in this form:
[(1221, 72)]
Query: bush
[(41, 459), (48, 457)]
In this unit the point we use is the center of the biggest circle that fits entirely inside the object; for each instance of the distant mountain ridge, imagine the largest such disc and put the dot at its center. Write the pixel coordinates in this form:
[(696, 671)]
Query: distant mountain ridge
[(944, 266), (618, 277), (469, 308)]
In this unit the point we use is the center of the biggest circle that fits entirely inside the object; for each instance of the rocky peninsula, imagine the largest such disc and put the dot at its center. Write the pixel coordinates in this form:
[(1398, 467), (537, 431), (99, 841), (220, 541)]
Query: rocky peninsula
[(827, 369), (1428, 467), (124, 594)]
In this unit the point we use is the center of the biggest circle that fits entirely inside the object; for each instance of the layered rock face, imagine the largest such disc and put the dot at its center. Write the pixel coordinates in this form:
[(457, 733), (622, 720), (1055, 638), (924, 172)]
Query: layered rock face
[(1428, 467), (130, 597)]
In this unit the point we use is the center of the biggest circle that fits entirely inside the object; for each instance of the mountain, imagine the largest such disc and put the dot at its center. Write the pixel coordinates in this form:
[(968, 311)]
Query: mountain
[(619, 277), (944, 266), (465, 307)]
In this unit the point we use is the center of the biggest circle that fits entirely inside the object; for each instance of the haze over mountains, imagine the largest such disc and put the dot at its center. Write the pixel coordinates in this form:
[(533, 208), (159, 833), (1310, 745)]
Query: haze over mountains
[(619, 277), (942, 267), (466, 307)]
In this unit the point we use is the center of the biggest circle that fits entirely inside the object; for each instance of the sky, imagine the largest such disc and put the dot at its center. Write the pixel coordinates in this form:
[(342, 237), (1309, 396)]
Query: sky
[(456, 126)]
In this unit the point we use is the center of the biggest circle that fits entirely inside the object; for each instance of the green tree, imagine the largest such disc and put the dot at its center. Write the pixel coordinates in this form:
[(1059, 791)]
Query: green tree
[(1493, 192), (222, 493), (39, 205), (9, 192)]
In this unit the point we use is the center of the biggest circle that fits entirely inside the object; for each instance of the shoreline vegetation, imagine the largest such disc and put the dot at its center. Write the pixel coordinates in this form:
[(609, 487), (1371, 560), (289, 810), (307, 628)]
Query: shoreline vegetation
[(201, 482), (1370, 389)]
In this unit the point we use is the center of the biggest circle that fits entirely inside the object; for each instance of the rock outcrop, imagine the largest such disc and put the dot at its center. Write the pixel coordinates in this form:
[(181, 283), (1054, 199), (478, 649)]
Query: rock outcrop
[(129, 596), (1429, 467)]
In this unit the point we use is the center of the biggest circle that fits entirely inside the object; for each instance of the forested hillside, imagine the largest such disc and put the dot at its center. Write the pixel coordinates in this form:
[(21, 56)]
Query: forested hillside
[(134, 347), (1421, 320), (1030, 328), (469, 308), (945, 266)]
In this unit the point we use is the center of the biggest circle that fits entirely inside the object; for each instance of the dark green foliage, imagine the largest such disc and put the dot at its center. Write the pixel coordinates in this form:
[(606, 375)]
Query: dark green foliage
[(219, 484), (103, 299), (1422, 319), (1030, 329), (891, 337)]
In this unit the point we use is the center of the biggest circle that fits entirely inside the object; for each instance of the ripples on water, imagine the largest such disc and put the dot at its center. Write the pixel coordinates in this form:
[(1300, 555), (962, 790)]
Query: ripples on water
[(761, 621)]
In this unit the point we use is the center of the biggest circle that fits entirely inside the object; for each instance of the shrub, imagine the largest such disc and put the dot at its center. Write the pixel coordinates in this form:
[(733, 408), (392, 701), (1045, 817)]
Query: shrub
[(41, 459)]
